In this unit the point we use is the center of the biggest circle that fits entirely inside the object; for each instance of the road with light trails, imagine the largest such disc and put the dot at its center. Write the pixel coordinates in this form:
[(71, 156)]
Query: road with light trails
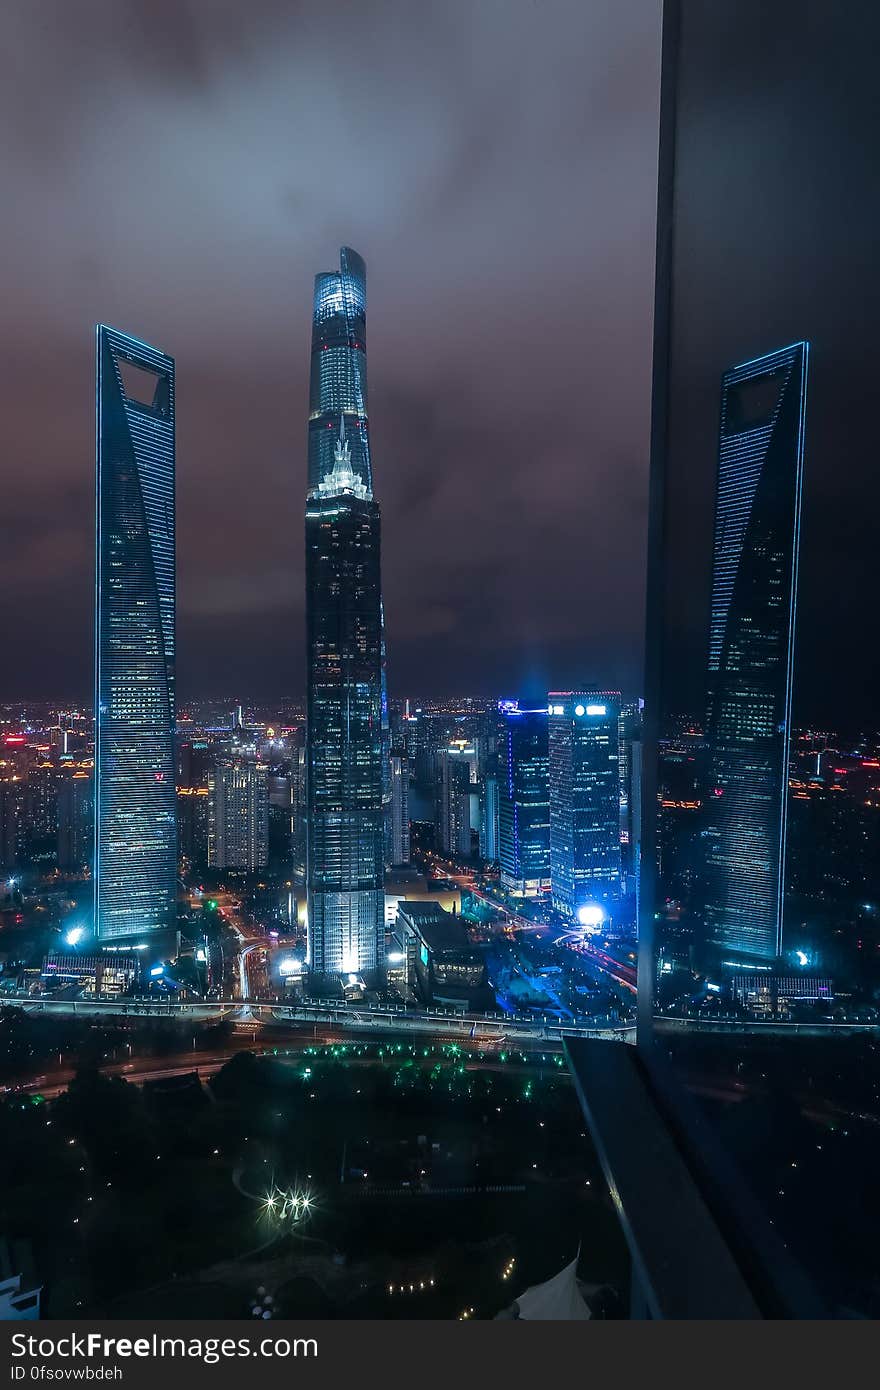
[(619, 971), (345, 1017)]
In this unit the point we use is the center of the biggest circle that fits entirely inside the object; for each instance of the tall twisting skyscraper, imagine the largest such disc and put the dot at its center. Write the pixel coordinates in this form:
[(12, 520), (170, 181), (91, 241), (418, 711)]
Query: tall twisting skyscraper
[(751, 640), (135, 798), (345, 833)]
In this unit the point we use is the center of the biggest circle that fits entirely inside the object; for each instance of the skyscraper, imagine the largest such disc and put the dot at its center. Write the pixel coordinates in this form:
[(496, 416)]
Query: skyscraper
[(584, 803), (751, 640), (399, 847), (630, 767), (387, 813), (135, 798), (454, 780), (299, 806), (524, 805), (238, 815), (12, 820), (75, 822), (489, 816), (345, 742)]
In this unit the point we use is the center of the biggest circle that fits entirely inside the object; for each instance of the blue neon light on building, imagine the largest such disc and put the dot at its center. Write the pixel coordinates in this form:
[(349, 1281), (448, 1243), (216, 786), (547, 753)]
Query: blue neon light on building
[(585, 864), (523, 799)]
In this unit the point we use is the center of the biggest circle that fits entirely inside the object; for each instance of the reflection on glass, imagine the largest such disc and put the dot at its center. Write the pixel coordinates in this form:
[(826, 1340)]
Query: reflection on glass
[(764, 840)]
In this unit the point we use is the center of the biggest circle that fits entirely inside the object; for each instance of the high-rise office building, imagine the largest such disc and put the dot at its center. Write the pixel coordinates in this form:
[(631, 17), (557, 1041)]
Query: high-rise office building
[(524, 799), (490, 847), (76, 809), (238, 815), (751, 640), (194, 759), (387, 813), (299, 806), (192, 825), (12, 821), (428, 734), (41, 803), (344, 758), (399, 848), (135, 797), (630, 751), (455, 778), (584, 803)]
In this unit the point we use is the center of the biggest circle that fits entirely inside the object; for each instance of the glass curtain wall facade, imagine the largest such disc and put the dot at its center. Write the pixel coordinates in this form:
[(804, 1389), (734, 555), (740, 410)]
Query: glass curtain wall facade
[(759, 939), (523, 801), (399, 809), (135, 796), (584, 803), (751, 651), (346, 744)]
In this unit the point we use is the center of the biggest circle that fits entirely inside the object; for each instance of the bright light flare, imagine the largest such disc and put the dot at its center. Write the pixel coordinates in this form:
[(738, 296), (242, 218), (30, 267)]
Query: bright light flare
[(591, 915), (287, 1205)]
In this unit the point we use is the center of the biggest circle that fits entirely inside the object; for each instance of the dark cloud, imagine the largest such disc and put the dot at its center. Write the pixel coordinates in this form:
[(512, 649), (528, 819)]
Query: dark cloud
[(182, 170)]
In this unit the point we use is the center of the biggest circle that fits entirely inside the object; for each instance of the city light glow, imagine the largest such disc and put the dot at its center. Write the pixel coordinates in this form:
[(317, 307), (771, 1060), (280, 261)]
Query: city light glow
[(591, 915)]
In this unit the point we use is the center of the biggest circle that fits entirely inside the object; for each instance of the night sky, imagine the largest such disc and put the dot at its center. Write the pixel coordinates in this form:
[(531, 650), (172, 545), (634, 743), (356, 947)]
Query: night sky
[(182, 168)]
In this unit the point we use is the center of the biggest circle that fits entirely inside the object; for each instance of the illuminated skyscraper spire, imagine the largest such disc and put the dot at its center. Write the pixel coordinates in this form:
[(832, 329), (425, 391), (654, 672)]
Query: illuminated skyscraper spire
[(345, 745), (342, 477)]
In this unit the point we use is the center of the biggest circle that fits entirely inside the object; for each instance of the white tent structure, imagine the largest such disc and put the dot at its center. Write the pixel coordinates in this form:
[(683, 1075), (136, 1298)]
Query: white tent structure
[(557, 1300)]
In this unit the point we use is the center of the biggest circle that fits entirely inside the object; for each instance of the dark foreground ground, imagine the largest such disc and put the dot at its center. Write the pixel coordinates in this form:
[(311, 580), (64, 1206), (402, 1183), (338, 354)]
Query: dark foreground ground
[(438, 1182)]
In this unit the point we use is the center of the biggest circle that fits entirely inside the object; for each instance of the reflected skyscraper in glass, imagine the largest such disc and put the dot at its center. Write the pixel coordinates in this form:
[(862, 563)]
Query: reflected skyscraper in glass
[(751, 647), (135, 798), (345, 744)]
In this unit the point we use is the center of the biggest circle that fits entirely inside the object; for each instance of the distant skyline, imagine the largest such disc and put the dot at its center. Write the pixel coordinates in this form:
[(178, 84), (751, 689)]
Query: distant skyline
[(182, 173)]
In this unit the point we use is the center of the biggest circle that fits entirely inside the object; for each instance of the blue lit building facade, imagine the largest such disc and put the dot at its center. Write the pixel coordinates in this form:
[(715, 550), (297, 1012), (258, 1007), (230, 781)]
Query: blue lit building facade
[(489, 818), (585, 867), (751, 647), (346, 744), (135, 874), (523, 799)]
